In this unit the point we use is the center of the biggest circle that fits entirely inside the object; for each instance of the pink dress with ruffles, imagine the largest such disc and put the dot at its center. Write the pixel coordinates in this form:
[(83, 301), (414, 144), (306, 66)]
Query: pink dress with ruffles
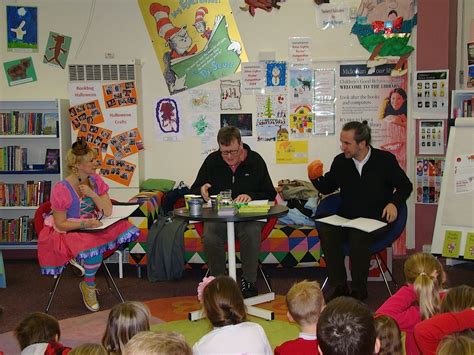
[(56, 248)]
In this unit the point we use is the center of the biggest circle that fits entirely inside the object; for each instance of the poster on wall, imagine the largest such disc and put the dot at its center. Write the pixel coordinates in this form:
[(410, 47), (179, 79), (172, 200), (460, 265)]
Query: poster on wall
[(22, 29), (119, 94), (230, 95), (57, 50), (291, 152), (88, 112), (253, 77), (429, 172), (126, 143), (202, 124), (324, 101), (194, 43), (96, 137), (271, 122), (299, 51), (119, 171), (431, 94), (431, 137), (20, 71), (275, 73), (168, 126), (464, 173), (243, 121), (381, 100)]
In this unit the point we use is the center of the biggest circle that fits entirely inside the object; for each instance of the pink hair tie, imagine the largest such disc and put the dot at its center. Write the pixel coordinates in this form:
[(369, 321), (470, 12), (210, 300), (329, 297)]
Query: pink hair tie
[(202, 285)]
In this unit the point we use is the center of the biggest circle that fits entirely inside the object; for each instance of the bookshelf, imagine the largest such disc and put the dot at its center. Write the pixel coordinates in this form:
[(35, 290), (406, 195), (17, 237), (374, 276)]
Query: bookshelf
[(27, 129), (462, 103)]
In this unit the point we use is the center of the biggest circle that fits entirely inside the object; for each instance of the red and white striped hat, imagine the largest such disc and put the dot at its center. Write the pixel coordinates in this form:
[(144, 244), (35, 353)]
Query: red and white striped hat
[(163, 24), (200, 13)]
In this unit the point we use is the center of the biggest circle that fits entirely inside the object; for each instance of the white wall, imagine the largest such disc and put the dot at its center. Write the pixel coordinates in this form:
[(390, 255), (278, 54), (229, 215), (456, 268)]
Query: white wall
[(117, 27)]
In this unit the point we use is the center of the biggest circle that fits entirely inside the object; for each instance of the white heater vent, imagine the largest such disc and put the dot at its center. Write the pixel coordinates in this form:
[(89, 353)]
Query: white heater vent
[(101, 72)]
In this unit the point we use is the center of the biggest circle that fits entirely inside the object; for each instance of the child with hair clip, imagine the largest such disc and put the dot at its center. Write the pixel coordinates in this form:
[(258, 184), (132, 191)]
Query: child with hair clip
[(417, 300), (125, 320), (457, 315), (389, 335), (224, 307)]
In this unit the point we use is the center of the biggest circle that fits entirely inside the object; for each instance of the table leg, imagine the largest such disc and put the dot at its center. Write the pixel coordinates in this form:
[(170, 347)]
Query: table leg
[(231, 250)]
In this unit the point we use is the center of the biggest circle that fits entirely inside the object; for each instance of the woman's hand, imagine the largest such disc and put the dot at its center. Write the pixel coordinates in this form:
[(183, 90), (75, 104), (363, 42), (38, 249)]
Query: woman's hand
[(86, 191), (90, 223)]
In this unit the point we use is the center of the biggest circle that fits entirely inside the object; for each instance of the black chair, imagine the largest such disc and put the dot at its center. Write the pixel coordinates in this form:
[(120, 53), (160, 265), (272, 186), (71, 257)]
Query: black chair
[(40, 214), (330, 205)]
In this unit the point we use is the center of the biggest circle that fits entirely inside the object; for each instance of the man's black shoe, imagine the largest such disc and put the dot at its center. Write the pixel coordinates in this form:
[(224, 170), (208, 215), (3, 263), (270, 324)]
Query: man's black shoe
[(340, 290), (248, 288), (359, 295)]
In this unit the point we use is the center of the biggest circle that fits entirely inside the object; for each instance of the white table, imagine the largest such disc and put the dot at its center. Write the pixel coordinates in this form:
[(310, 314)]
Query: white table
[(210, 215)]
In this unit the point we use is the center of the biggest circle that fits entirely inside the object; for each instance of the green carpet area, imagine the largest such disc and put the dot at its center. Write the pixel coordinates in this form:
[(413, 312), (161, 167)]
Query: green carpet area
[(277, 331)]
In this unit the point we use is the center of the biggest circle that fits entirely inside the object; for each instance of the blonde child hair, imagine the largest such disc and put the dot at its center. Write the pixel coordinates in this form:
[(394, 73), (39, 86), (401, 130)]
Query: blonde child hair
[(426, 274), (89, 349), (150, 343), (458, 299), (125, 320), (456, 343), (305, 302), (389, 335)]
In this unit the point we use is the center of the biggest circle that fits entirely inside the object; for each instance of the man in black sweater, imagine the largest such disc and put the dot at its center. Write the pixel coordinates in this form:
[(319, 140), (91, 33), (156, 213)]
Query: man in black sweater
[(235, 166), (372, 185)]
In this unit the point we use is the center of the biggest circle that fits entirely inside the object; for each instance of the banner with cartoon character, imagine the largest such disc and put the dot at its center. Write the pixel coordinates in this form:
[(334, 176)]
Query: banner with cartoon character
[(384, 28), (195, 42)]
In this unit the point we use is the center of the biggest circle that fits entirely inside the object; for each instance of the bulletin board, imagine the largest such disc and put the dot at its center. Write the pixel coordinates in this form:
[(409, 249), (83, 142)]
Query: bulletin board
[(455, 215)]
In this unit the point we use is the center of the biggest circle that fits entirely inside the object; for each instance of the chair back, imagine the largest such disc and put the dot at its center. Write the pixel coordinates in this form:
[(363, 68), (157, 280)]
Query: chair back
[(330, 205), (40, 214)]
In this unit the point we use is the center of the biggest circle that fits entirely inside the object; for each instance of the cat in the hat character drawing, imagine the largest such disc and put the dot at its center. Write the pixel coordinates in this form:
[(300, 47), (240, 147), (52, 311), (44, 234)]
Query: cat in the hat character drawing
[(384, 28), (200, 25)]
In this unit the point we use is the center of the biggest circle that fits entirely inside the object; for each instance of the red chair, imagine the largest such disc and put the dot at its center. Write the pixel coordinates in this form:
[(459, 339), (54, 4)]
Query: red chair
[(40, 214)]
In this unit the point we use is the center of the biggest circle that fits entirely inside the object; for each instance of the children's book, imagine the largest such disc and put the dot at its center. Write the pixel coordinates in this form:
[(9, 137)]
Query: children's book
[(51, 161), (364, 224)]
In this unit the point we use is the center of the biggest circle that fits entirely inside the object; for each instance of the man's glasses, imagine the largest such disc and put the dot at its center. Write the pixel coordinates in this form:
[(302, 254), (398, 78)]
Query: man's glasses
[(229, 152)]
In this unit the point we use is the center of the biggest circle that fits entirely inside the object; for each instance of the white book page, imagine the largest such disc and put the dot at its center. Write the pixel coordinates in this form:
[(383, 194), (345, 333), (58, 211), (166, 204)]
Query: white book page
[(258, 203), (118, 212), (335, 220), (365, 224)]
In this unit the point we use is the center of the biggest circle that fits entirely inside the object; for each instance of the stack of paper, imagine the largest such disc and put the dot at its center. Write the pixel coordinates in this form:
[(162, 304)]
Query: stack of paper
[(257, 206), (226, 211)]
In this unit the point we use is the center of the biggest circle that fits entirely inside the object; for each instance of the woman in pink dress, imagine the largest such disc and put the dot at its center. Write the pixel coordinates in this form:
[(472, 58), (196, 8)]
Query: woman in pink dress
[(77, 203)]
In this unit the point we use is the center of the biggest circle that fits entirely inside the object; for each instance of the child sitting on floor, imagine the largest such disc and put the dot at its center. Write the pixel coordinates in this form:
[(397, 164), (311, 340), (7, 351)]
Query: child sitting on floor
[(389, 335), (151, 343), (457, 315), (305, 302), (89, 349), (417, 300), (125, 320), (39, 333), (224, 307)]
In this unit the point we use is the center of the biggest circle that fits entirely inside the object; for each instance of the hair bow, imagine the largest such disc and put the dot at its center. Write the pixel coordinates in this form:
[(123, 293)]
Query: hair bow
[(202, 285)]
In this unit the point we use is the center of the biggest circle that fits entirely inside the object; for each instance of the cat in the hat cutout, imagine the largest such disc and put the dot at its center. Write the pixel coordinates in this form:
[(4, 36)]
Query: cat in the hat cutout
[(194, 44), (384, 28), (200, 25)]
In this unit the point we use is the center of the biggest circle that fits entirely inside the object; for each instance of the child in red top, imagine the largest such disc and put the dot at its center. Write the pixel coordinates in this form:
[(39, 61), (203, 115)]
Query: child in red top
[(305, 302), (419, 299), (457, 315)]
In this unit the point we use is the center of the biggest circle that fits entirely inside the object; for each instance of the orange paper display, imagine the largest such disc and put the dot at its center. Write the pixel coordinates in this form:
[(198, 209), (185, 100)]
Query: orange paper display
[(89, 112), (96, 137), (119, 171), (126, 143), (120, 94)]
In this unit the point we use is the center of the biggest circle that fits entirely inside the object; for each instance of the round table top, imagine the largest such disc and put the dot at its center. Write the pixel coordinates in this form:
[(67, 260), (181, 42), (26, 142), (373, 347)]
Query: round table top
[(210, 215)]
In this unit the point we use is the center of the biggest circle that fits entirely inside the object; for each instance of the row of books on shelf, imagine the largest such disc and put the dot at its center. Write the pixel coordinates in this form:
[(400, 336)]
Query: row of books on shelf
[(31, 123), (465, 109), (13, 158), (30, 193), (17, 230)]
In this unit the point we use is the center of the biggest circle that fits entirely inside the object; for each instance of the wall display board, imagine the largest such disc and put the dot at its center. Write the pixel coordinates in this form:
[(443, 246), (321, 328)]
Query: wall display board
[(454, 219)]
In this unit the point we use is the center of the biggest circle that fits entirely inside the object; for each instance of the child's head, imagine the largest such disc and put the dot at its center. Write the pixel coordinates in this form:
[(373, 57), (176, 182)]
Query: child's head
[(89, 349), (458, 299), (389, 335), (125, 320), (38, 327), (305, 302), (426, 274), (223, 302), (150, 343), (456, 344), (346, 326)]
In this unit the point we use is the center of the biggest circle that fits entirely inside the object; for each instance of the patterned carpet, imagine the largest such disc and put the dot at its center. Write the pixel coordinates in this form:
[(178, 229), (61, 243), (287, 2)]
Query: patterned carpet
[(174, 311)]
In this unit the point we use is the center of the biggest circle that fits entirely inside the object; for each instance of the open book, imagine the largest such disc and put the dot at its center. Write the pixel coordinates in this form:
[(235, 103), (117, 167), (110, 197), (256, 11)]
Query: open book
[(119, 212), (364, 224)]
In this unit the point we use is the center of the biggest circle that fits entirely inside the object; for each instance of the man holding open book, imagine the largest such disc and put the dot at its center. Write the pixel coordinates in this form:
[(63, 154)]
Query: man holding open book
[(372, 185), (238, 168)]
